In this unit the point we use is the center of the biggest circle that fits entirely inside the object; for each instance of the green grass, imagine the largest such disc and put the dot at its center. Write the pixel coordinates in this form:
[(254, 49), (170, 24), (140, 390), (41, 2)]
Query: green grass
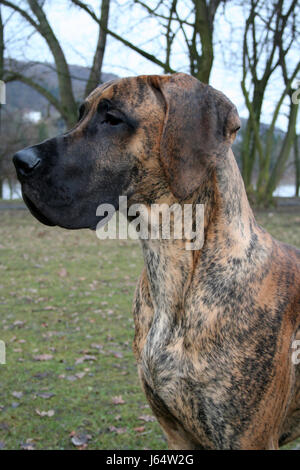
[(69, 295)]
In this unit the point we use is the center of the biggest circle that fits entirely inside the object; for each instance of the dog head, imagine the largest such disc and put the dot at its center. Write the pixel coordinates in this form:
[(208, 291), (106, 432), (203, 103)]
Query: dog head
[(141, 137)]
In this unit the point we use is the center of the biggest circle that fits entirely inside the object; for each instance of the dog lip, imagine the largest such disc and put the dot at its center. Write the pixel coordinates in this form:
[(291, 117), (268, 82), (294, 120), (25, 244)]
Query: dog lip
[(36, 212)]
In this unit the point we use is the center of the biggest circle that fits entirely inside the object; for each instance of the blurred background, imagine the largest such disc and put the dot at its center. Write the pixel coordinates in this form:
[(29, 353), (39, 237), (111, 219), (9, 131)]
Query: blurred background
[(70, 380), (53, 53)]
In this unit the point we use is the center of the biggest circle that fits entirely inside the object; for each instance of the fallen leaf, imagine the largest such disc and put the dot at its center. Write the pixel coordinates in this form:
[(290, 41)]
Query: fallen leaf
[(96, 346), (118, 400), (49, 413), (45, 395), (87, 357), (147, 418), (43, 357), (19, 323), (139, 429), (17, 394), (71, 378), (117, 430), (79, 440), (80, 375), (63, 272), (117, 354), (28, 445), (41, 375)]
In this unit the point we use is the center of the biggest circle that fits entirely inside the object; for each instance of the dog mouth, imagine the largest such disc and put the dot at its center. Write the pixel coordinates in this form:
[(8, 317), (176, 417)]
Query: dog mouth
[(36, 212)]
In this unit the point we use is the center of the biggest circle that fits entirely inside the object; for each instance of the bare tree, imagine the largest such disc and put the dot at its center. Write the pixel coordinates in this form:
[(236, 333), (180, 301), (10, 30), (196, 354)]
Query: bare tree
[(297, 166), (196, 27), (95, 75), (1, 78), (65, 103), (270, 31)]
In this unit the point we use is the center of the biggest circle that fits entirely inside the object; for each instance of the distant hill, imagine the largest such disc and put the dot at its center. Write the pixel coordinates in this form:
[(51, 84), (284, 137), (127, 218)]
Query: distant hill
[(22, 97)]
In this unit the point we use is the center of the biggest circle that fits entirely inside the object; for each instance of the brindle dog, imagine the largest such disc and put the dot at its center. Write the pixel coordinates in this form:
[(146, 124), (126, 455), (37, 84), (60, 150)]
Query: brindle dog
[(214, 327)]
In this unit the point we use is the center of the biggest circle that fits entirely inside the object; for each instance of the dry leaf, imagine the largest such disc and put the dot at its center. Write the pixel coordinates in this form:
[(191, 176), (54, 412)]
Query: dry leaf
[(147, 418), (80, 375), (63, 272), (96, 346), (43, 357), (116, 354), (79, 440), (118, 400), (28, 445), (139, 429), (19, 323), (45, 395), (49, 413), (87, 357), (117, 430), (71, 378)]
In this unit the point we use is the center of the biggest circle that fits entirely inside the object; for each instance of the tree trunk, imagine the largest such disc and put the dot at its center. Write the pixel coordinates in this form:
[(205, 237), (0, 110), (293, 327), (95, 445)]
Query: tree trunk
[(279, 167), (249, 145), (203, 27), (249, 155), (245, 156), (1, 46), (1, 78), (95, 74), (68, 103), (11, 189), (297, 166)]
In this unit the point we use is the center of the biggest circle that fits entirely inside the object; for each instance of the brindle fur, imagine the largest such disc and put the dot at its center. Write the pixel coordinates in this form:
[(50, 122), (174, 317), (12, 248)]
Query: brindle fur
[(213, 328)]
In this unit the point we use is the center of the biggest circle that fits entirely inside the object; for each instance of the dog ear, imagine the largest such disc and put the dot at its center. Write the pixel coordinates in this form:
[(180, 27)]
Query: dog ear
[(200, 125)]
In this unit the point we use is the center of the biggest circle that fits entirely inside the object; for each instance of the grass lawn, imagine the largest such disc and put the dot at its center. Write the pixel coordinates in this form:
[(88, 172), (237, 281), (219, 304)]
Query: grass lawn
[(65, 316)]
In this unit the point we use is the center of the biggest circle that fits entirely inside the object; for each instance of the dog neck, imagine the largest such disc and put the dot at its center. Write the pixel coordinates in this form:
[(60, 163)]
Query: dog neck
[(229, 226), (229, 220)]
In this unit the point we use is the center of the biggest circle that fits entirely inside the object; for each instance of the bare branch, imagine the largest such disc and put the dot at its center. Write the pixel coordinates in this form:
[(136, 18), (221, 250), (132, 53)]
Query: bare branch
[(127, 43)]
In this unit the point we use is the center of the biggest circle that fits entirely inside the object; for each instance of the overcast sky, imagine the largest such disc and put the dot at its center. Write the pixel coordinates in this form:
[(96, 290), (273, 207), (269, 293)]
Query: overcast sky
[(77, 33)]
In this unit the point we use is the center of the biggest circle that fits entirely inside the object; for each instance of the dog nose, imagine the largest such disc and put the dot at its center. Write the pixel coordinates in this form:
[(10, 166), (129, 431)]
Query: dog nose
[(26, 161)]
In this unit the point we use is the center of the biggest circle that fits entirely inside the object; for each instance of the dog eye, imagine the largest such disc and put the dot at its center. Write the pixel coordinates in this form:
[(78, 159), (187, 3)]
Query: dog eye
[(112, 119)]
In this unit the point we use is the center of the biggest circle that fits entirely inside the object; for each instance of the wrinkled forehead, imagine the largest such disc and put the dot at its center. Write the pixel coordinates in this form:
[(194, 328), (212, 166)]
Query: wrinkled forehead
[(130, 92)]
